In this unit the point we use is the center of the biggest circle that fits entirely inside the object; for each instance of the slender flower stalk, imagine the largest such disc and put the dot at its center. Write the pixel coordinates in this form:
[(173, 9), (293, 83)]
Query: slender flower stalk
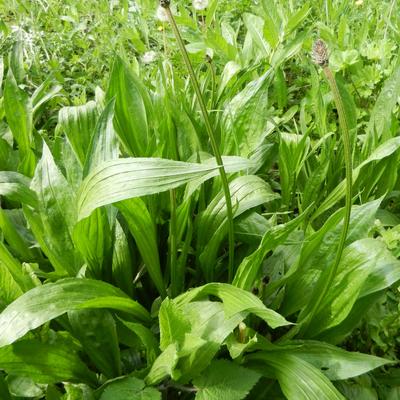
[(225, 185), (320, 57)]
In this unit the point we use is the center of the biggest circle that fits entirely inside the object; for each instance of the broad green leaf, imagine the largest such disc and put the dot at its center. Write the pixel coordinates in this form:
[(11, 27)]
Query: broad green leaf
[(13, 237), (384, 150), (285, 51), (380, 119), (78, 123), (255, 26), (129, 388), (49, 301), (18, 109), (272, 23), (245, 118), (122, 262), (48, 90), (147, 337), (173, 324), (297, 18), (318, 253), (335, 362), (92, 236), (225, 380), (4, 392), (56, 215), (298, 379), (143, 229), (235, 301), (15, 186), (10, 288), (44, 363), (292, 152), (96, 331), (249, 269), (196, 330), (17, 59), (131, 106), (163, 366), (14, 271), (366, 267), (103, 141), (124, 178), (246, 192), (25, 387)]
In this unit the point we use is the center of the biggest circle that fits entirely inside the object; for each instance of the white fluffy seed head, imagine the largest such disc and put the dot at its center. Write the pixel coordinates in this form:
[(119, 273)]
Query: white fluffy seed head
[(161, 14), (200, 4)]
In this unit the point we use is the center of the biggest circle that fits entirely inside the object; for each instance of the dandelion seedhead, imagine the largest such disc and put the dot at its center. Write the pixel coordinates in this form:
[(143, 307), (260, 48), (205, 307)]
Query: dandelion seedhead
[(320, 53)]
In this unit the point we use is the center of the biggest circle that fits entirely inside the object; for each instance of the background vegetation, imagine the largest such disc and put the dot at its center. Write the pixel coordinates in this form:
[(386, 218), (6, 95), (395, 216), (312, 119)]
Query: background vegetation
[(114, 251)]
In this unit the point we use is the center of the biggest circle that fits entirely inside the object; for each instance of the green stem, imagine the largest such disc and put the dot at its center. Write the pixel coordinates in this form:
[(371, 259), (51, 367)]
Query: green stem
[(173, 246), (217, 154), (322, 289)]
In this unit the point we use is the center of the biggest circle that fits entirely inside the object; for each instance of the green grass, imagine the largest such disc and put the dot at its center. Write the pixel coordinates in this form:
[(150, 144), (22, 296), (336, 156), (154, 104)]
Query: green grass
[(227, 233)]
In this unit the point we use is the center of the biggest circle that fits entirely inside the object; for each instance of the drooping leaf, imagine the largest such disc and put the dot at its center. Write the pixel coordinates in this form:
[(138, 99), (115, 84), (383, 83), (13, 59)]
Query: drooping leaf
[(235, 301), (49, 301), (122, 179), (298, 379), (335, 362)]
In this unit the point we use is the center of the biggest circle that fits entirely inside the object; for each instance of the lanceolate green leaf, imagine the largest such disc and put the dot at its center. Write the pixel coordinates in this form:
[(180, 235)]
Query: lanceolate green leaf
[(247, 192), (56, 214), (335, 362), (298, 379), (380, 119), (49, 301), (249, 268), (92, 235), (44, 363), (131, 107), (384, 150), (235, 301), (18, 108), (135, 177), (15, 186), (144, 232), (78, 123), (96, 331), (366, 267)]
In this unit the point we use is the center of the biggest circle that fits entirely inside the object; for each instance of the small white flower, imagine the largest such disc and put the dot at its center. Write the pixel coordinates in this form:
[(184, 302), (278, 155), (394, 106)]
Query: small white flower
[(149, 57), (200, 4), (162, 14)]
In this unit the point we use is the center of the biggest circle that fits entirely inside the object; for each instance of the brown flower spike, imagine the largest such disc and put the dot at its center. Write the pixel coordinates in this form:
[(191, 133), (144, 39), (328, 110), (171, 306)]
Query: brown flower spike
[(320, 53)]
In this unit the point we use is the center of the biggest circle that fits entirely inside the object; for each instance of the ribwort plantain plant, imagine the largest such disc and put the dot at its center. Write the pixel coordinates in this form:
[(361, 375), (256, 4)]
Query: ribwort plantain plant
[(225, 185), (321, 58)]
